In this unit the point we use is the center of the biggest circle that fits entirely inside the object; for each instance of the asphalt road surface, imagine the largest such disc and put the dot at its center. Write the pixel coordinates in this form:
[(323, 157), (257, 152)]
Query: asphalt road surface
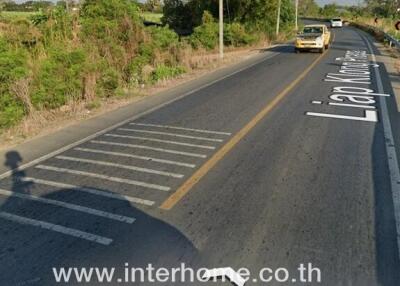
[(249, 171)]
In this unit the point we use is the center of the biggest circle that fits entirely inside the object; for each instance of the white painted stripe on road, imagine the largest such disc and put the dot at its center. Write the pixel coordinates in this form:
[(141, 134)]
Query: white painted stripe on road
[(89, 191), (135, 117), (104, 177), (161, 141), (57, 228), (182, 128), (128, 167), (390, 147), (74, 207), (169, 162), (370, 116), (171, 134), (150, 148), (316, 102)]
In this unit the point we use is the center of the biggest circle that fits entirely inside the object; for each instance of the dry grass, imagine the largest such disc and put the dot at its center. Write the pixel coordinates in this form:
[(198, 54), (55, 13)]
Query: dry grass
[(386, 25)]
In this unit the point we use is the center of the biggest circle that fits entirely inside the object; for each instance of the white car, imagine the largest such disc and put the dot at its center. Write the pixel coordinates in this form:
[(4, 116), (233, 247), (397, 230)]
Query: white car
[(336, 23)]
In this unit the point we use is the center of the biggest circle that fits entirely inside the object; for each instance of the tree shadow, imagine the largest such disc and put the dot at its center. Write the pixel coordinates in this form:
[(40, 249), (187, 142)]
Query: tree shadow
[(29, 253)]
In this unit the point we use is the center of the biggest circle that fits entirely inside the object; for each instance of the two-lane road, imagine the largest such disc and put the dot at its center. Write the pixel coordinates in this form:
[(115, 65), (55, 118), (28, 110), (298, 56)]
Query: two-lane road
[(240, 173)]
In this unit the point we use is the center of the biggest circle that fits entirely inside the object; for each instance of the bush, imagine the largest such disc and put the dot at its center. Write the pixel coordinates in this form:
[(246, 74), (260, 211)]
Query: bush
[(162, 40), (163, 72), (109, 82), (236, 35), (163, 37), (116, 20), (206, 35), (59, 79), (12, 67), (11, 111)]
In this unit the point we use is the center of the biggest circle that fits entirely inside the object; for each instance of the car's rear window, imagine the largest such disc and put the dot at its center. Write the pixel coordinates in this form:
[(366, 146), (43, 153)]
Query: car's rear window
[(337, 19), (312, 30)]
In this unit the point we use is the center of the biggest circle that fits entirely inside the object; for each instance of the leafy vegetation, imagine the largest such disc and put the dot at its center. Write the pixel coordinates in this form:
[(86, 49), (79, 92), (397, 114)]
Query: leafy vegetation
[(13, 68), (256, 16), (152, 17)]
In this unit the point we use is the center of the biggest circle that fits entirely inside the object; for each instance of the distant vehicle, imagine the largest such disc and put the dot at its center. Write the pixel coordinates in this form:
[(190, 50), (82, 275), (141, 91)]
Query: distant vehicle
[(336, 23), (313, 37)]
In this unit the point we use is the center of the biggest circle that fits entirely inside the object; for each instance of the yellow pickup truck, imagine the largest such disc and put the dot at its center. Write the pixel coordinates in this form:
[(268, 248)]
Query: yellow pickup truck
[(313, 37)]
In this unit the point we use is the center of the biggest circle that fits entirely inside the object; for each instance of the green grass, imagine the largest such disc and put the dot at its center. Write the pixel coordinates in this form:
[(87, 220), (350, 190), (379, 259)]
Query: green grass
[(11, 15), (152, 17)]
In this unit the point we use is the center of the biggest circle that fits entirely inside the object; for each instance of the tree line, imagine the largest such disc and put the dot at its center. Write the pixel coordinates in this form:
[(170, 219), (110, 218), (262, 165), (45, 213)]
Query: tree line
[(255, 15)]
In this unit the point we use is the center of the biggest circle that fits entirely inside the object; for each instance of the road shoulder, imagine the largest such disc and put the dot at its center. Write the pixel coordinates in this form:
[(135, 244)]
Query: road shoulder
[(391, 60)]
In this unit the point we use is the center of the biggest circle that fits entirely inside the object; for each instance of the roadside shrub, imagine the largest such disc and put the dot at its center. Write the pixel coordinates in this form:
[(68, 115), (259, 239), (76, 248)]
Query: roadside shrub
[(145, 57), (59, 79), (163, 37), (236, 35), (21, 33), (111, 22), (163, 72), (109, 82), (162, 41), (12, 67), (205, 35), (11, 111)]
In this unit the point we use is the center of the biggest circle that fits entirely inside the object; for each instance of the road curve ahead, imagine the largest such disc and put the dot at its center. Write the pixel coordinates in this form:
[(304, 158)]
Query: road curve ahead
[(291, 161)]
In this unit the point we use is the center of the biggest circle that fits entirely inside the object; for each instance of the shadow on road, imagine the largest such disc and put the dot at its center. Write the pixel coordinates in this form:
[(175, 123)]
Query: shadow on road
[(28, 253), (284, 49)]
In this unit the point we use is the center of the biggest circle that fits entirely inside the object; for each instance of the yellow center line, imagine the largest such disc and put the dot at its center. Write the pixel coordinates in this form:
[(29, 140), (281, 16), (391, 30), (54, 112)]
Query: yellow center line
[(170, 202)]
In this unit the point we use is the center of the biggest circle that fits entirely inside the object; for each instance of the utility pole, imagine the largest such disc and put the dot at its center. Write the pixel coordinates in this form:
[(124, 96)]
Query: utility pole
[(221, 29), (278, 18), (297, 15)]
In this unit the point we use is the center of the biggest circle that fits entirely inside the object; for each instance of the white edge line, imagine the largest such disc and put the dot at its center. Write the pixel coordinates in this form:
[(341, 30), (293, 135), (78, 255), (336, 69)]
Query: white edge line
[(390, 148), (112, 127), (89, 191), (70, 206), (57, 228)]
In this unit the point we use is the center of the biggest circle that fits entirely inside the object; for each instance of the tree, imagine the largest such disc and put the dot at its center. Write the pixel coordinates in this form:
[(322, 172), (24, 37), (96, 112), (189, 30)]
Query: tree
[(258, 15), (330, 10), (177, 15), (308, 8), (382, 8)]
